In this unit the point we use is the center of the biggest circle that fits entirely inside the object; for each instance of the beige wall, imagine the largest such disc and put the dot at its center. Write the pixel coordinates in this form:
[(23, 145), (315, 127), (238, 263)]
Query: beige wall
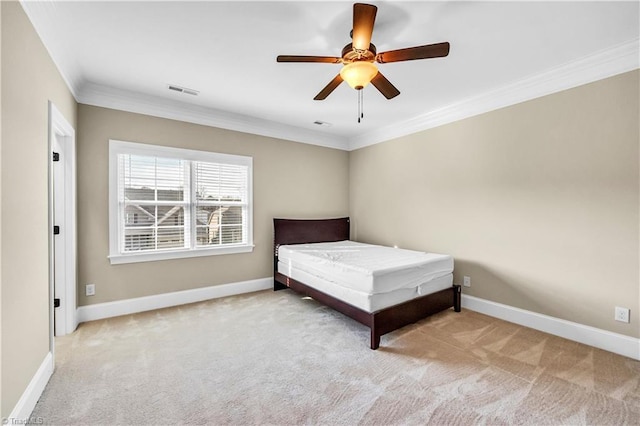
[(29, 81), (538, 202), (290, 180)]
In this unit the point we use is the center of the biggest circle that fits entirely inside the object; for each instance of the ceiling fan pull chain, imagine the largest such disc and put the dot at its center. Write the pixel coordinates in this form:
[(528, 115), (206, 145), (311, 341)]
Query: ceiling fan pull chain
[(360, 105)]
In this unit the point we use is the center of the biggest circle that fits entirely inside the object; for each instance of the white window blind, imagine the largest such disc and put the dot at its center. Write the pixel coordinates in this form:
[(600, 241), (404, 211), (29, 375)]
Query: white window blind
[(154, 199), (221, 200), (172, 203)]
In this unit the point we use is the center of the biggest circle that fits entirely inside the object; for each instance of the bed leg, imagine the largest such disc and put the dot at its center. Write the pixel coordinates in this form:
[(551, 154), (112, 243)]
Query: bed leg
[(375, 340), (278, 286), (457, 298)]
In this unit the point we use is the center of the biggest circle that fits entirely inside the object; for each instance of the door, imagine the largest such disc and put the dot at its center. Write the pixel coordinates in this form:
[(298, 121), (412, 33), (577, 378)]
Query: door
[(62, 222)]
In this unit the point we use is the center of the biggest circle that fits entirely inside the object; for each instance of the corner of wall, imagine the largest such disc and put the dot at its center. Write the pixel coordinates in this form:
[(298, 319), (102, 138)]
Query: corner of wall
[(27, 402)]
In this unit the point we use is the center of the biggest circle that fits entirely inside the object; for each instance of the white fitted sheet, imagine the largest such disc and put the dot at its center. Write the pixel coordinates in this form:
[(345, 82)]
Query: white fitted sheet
[(365, 268), (365, 301)]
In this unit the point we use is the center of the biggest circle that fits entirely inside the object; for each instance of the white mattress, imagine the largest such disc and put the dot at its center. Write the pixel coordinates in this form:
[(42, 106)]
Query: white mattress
[(365, 301), (365, 268)]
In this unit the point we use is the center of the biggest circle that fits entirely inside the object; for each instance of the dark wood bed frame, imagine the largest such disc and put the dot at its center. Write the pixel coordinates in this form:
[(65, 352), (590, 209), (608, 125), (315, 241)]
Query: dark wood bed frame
[(300, 231)]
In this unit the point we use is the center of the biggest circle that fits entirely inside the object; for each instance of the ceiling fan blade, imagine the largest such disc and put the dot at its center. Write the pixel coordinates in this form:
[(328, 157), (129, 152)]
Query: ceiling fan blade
[(294, 58), (328, 88), (364, 16), (437, 50), (384, 86)]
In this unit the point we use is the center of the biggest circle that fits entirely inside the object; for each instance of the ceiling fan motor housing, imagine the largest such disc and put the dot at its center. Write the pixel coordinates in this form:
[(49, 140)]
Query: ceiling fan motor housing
[(351, 54)]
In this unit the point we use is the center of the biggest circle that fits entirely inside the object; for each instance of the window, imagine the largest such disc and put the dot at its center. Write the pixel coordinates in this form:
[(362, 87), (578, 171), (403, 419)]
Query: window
[(168, 203)]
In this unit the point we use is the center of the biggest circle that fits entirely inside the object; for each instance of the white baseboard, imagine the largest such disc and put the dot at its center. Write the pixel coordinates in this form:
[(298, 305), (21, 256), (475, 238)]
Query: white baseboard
[(603, 339), (27, 402), (165, 300), (613, 342)]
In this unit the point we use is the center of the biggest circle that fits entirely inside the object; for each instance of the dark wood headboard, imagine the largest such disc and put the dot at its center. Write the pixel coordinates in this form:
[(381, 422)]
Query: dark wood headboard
[(300, 231)]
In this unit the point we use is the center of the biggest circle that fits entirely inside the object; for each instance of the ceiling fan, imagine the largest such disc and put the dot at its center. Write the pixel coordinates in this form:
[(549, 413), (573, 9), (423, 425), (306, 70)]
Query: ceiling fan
[(358, 57)]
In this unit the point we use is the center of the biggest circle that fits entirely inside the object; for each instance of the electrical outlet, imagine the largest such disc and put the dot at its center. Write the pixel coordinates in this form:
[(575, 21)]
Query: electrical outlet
[(621, 314), (467, 281), (90, 290)]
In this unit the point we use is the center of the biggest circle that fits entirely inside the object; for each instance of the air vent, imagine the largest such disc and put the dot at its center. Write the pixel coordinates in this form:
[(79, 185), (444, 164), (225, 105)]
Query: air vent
[(322, 123), (180, 89)]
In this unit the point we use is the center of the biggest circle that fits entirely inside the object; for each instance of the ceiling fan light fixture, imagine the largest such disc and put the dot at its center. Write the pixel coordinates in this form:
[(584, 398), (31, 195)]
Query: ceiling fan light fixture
[(358, 74), (359, 56)]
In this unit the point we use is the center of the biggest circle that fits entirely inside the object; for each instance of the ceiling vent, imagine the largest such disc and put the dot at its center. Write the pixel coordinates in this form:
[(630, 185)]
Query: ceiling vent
[(322, 123), (181, 89)]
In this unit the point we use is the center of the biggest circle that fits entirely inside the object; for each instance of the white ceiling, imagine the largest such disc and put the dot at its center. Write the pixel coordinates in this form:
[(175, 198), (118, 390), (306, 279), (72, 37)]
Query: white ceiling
[(123, 54)]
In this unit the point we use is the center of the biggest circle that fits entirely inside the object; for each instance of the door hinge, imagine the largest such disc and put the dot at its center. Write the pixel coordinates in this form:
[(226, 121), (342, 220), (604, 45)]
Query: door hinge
[(56, 230), (56, 156), (56, 303)]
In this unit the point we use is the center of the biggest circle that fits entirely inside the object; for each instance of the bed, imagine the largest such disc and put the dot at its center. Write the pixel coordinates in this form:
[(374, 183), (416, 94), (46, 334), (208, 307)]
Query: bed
[(317, 259)]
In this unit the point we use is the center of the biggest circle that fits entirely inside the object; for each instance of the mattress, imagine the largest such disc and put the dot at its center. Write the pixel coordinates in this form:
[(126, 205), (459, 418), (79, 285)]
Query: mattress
[(364, 268), (366, 301)]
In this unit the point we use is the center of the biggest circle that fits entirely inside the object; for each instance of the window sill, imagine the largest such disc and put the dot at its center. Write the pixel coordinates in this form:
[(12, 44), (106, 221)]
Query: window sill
[(177, 254)]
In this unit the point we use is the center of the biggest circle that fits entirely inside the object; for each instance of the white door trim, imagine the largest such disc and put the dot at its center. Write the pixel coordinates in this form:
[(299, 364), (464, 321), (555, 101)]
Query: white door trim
[(60, 129)]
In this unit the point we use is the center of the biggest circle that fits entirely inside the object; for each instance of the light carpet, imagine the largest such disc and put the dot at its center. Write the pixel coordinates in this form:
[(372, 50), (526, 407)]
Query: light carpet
[(276, 358)]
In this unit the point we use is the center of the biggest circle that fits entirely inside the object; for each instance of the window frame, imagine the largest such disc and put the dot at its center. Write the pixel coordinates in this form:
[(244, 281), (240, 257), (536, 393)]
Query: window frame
[(117, 147)]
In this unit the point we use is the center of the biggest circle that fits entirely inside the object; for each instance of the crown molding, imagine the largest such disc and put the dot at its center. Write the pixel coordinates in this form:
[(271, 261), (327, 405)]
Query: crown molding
[(109, 97), (594, 67), (597, 66)]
